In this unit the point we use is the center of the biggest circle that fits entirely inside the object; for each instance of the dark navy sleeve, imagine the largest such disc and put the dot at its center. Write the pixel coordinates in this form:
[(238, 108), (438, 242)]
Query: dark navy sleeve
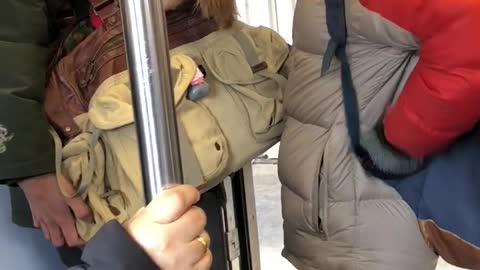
[(113, 249)]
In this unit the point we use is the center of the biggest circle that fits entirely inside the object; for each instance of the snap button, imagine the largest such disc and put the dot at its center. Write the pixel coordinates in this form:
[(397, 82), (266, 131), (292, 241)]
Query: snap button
[(78, 37), (68, 129)]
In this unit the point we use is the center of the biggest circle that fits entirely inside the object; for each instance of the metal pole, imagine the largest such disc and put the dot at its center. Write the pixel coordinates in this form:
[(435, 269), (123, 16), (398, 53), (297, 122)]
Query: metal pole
[(149, 68)]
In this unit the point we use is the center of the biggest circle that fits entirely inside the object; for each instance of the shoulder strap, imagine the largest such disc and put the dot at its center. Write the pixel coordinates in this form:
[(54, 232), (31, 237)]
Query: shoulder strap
[(108, 11), (258, 67), (337, 47), (336, 23)]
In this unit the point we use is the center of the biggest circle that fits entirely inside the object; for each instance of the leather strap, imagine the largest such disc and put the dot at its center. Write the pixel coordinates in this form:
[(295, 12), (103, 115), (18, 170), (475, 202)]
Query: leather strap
[(250, 52), (258, 67), (108, 11)]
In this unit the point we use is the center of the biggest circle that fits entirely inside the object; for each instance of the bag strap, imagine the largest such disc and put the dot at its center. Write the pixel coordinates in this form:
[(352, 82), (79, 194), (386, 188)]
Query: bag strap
[(337, 47), (108, 11), (90, 170), (249, 51), (257, 66)]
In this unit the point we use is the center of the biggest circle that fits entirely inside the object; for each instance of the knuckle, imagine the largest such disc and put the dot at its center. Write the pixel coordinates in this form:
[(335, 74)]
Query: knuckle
[(177, 199), (66, 225), (62, 217), (49, 223), (171, 204), (71, 236), (74, 243), (190, 192), (58, 242), (206, 262), (57, 239), (82, 214), (200, 216)]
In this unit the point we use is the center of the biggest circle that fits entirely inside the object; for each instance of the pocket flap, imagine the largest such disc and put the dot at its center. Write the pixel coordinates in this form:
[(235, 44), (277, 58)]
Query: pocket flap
[(240, 54), (228, 63), (184, 70)]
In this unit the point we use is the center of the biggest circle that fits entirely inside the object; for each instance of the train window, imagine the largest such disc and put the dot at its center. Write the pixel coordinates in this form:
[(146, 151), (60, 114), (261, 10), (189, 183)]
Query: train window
[(276, 14)]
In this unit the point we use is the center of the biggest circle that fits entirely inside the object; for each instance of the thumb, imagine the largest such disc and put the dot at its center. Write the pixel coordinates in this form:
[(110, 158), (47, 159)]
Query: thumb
[(80, 209), (172, 204)]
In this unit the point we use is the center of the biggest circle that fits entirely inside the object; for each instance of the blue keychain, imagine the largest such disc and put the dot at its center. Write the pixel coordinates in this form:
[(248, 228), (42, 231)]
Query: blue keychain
[(198, 87)]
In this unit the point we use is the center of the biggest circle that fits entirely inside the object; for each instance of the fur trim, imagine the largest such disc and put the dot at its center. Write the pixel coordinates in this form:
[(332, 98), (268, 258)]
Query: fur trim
[(224, 12), (172, 4)]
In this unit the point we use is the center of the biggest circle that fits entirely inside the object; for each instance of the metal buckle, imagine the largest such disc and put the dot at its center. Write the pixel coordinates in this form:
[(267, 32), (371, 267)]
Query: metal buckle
[(99, 5), (259, 67)]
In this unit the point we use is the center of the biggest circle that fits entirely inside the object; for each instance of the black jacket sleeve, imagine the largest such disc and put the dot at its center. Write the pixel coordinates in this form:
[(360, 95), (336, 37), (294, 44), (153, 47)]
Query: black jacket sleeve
[(113, 249), (26, 148)]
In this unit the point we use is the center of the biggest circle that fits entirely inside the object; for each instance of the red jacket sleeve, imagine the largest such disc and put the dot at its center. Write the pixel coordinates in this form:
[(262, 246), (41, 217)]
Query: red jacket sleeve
[(441, 99)]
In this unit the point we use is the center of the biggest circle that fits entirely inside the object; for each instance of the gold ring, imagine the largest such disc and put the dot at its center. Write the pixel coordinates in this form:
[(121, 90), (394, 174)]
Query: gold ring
[(202, 241)]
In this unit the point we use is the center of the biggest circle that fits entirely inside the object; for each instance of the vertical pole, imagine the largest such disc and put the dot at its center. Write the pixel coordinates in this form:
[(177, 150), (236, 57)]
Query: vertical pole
[(149, 68)]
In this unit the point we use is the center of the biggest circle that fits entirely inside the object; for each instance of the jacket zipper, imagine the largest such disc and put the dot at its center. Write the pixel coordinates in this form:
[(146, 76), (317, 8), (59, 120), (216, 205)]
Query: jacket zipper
[(114, 43)]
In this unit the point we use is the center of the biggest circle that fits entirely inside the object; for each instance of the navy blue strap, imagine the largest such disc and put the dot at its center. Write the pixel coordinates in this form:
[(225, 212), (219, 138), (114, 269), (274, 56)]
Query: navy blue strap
[(337, 47)]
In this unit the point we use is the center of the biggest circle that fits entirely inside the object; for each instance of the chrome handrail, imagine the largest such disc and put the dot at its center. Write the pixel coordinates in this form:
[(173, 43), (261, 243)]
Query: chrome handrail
[(149, 68)]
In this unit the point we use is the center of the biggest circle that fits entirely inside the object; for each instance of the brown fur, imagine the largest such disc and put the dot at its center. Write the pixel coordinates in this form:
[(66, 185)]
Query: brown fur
[(223, 11), (172, 4)]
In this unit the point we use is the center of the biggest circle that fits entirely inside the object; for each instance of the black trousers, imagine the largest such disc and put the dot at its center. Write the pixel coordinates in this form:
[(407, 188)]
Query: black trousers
[(212, 202)]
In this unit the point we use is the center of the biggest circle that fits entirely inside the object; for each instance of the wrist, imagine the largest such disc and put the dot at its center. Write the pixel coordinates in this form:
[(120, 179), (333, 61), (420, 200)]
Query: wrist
[(26, 182)]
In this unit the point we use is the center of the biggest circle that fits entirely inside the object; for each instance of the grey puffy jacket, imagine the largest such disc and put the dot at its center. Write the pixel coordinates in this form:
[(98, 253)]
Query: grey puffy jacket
[(337, 217)]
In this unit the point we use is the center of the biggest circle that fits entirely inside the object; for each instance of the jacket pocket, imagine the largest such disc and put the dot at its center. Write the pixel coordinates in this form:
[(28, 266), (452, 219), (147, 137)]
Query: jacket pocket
[(321, 211), (205, 136), (304, 192), (202, 129)]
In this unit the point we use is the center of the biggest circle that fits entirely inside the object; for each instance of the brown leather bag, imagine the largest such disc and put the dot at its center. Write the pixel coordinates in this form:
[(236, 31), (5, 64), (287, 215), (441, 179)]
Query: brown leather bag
[(76, 77)]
